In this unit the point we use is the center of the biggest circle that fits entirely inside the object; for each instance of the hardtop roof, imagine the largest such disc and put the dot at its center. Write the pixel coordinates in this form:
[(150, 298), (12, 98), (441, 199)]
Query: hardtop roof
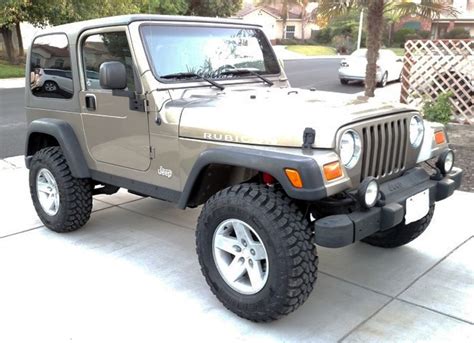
[(77, 27)]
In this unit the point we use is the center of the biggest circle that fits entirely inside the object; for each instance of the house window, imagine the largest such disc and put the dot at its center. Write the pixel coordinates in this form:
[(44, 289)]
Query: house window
[(290, 32)]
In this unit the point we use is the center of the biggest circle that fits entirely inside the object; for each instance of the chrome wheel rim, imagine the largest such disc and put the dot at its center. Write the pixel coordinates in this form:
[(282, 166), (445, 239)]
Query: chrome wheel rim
[(47, 191), (240, 256), (384, 79)]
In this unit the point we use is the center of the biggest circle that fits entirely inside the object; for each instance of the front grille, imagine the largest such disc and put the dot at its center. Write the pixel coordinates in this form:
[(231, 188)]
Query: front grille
[(384, 148)]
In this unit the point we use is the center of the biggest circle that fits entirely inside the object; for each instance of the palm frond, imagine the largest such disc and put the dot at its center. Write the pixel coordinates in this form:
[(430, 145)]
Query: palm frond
[(333, 8), (426, 8)]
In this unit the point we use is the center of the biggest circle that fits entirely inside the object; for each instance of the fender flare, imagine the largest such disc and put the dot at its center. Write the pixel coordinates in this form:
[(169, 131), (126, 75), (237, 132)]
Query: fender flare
[(66, 137), (270, 162)]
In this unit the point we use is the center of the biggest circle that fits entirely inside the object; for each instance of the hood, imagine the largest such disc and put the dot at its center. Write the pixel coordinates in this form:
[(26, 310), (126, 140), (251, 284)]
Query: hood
[(272, 116)]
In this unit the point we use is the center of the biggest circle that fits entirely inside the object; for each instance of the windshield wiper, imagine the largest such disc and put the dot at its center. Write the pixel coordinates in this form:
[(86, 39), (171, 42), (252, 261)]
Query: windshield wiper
[(185, 75), (240, 71)]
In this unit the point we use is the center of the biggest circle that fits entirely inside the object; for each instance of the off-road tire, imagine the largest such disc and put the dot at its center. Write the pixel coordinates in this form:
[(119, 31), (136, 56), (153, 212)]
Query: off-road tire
[(75, 194), (287, 236), (400, 234), (344, 81)]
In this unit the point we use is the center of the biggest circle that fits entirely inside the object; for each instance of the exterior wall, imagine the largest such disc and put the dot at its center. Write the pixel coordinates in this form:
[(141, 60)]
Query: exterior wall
[(268, 22), (298, 28), (273, 27)]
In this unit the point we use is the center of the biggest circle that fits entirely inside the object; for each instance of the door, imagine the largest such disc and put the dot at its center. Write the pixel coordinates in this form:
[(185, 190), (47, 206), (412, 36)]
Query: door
[(115, 133)]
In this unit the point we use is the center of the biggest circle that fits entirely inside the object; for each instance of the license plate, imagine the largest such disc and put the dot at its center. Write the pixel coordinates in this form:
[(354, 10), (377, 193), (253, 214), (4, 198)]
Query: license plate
[(417, 206)]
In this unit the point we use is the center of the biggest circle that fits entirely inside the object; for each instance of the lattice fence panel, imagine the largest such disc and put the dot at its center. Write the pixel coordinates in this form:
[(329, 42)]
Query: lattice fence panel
[(432, 67)]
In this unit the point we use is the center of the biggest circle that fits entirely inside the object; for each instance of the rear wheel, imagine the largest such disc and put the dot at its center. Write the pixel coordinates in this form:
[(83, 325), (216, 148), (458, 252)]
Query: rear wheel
[(384, 80), (401, 234), (256, 252), (63, 202), (50, 86)]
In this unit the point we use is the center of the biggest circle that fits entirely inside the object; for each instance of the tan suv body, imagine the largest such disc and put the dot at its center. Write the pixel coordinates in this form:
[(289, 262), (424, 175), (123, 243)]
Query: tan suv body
[(199, 111)]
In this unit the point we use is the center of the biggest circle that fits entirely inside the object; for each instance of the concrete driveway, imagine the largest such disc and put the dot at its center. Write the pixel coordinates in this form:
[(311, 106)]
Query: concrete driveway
[(131, 275)]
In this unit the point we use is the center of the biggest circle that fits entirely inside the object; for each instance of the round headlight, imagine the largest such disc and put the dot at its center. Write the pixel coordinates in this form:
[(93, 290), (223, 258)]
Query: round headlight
[(445, 162), (417, 130), (368, 192), (349, 148)]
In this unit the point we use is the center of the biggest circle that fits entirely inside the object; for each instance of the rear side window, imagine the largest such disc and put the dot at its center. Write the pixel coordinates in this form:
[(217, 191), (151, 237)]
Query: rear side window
[(50, 67), (106, 47)]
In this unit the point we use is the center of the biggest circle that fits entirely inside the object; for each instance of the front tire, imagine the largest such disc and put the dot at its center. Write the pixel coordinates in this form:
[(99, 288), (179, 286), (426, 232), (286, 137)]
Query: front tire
[(284, 254), (344, 81), (401, 234), (63, 202)]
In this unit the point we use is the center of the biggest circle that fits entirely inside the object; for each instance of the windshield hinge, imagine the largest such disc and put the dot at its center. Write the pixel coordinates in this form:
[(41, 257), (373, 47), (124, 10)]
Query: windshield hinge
[(152, 153)]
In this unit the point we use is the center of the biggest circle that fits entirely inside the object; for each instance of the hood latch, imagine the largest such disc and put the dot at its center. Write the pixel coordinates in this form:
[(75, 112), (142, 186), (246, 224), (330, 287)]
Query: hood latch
[(309, 135)]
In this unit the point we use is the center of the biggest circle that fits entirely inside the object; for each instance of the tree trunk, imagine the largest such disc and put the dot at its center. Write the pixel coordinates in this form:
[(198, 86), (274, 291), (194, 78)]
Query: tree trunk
[(374, 37), (21, 50), (8, 42), (284, 17)]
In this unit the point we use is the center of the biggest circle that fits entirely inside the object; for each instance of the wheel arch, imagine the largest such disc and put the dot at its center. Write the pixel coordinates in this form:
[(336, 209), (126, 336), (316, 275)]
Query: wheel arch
[(48, 132), (218, 168)]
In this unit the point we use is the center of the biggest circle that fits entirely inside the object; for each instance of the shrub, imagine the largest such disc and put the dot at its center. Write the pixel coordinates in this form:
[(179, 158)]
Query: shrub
[(342, 44), (289, 42), (438, 110), (457, 33), (322, 36), (424, 34), (400, 36)]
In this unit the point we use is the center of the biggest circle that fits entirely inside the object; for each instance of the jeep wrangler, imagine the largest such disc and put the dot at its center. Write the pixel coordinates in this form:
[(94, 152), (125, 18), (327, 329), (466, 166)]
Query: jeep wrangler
[(198, 111)]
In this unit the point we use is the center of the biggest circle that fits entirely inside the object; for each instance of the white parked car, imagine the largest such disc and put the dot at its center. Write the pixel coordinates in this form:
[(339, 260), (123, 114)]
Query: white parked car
[(54, 80), (389, 67)]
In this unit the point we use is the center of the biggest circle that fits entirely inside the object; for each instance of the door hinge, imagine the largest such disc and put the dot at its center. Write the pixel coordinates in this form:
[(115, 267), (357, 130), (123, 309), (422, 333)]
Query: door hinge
[(152, 153)]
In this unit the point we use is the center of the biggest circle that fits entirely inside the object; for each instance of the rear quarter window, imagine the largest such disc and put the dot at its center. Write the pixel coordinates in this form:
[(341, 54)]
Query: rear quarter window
[(50, 67)]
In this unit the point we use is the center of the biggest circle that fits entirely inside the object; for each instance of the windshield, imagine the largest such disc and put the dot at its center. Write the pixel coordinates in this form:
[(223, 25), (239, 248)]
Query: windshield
[(207, 51)]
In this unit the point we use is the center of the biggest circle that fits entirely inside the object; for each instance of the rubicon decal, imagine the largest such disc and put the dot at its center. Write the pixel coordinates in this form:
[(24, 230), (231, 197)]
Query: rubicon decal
[(239, 139)]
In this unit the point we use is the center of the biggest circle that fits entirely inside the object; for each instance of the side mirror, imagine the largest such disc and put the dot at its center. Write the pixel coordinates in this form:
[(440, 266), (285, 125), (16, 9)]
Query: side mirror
[(113, 75)]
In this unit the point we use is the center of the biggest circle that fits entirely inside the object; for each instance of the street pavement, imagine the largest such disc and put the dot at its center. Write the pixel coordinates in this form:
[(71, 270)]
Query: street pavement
[(131, 275)]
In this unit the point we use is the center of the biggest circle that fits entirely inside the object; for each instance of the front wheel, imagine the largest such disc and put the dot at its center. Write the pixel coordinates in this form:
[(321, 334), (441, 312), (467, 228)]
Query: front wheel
[(344, 81), (401, 234), (256, 252)]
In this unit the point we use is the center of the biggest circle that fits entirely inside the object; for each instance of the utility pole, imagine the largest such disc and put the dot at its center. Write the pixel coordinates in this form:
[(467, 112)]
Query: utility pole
[(361, 20)]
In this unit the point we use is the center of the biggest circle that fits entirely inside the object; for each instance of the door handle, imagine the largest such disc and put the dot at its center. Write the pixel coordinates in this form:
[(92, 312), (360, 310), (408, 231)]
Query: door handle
[(91, 102)]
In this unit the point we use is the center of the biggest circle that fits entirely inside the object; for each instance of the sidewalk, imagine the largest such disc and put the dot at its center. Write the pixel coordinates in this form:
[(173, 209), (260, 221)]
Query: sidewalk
[(12, 83), (131, 275), (284, 54)]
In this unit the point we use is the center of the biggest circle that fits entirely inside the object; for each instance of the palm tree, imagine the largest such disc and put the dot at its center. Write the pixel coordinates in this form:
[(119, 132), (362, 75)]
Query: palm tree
[(376, 9)]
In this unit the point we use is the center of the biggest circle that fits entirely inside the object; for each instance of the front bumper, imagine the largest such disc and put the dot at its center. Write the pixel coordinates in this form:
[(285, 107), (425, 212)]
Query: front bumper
[(343, 229)]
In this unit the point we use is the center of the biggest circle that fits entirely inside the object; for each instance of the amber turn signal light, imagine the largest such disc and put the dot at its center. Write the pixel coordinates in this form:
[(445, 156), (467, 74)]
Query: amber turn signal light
[(294, 177), (440, 138), (332, 170)]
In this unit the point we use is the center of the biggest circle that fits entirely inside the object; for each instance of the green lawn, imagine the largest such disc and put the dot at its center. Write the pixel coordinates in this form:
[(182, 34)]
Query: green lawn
[(8, 70), (398, 51), (312, 50)]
